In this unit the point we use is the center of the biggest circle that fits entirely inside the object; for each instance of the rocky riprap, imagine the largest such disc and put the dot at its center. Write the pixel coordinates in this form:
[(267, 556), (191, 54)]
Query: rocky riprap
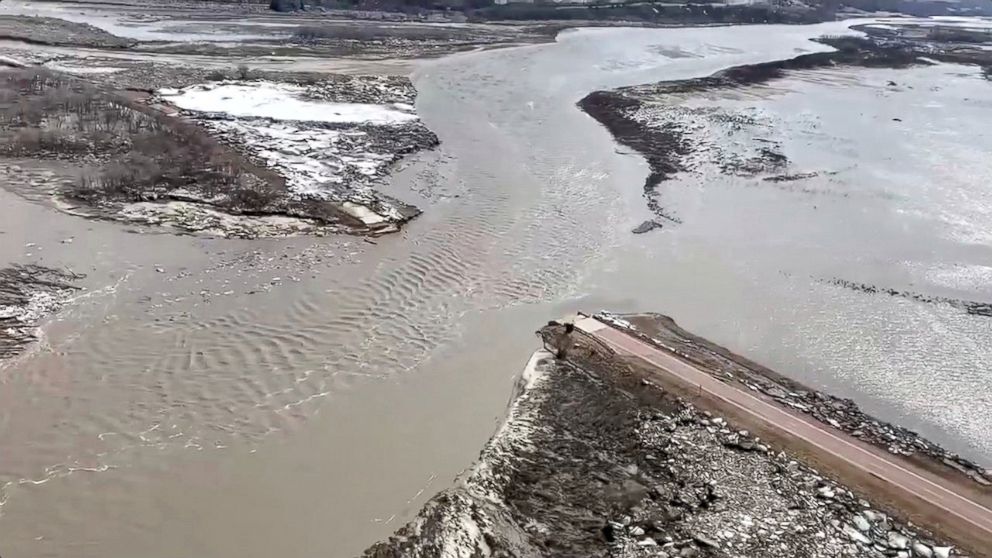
[(29, 294), (594, 462), (838, 412)]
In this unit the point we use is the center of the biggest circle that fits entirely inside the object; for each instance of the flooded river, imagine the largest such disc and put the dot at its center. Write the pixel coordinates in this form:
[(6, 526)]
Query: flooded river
[(304, 397)]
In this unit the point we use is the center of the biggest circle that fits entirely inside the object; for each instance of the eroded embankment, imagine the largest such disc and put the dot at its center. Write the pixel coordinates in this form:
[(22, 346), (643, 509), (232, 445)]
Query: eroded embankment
[(594, 460)]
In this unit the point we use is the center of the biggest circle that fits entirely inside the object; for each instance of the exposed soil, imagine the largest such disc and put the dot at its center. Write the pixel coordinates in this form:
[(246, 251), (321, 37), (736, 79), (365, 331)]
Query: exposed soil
[(596, 461)]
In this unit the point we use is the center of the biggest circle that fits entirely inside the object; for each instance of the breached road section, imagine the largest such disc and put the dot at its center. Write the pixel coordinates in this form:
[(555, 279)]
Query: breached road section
[(472, 519), (604, 454)]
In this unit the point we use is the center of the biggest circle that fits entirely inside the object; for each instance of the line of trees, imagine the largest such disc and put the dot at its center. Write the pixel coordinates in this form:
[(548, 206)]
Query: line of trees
[(697, 10)]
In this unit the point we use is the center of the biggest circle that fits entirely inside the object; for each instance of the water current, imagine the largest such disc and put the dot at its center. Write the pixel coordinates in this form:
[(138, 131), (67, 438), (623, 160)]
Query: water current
[(303, 397)]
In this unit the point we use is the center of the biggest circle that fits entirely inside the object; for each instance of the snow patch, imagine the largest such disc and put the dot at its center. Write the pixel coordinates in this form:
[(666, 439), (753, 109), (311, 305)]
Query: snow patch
[(83, 70), (324, 146), (362, 213), (203, 220), (39, 305), (532, 374), (13, 62), (316, 162), (280, 101)]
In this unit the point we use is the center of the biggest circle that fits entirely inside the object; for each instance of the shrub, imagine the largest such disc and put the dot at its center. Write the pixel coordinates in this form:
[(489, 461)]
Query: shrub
[(286, 5), (34, 141), (251, 196)]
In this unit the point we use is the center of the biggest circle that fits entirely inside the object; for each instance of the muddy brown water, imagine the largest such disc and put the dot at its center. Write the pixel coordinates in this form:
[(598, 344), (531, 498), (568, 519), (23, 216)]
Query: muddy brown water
[(304, 397)]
